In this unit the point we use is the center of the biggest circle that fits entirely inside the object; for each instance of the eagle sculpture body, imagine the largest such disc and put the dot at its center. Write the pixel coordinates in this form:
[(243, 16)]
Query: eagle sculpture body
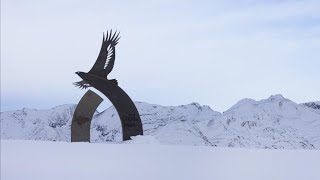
[(105, 61)]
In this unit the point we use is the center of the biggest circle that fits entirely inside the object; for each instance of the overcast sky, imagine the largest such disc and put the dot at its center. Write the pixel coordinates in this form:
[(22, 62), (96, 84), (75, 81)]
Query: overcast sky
[(170, 52)]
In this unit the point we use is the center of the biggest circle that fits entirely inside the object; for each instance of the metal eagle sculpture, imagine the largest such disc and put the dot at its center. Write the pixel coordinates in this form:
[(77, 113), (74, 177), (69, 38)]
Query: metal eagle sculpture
[(97, 78), (105, 61)]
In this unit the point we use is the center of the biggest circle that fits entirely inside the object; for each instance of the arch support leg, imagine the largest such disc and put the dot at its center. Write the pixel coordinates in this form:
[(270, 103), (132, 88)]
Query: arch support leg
[(81, 121)]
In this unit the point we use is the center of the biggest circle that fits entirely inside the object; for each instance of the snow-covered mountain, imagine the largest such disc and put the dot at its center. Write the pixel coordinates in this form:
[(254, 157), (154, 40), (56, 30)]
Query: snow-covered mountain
[(313, 105), (274, 123)]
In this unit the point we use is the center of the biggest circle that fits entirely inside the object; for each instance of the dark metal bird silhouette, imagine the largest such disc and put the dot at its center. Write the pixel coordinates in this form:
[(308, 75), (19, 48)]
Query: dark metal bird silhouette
[(105, 61)]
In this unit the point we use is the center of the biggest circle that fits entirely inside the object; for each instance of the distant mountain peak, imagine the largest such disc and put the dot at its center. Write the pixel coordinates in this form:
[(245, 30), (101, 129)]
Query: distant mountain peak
[(243, 102), (276, 97)]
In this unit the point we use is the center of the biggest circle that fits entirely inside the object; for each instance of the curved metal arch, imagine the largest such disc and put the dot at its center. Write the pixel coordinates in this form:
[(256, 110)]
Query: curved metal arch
[(82, 116), (127, 111)]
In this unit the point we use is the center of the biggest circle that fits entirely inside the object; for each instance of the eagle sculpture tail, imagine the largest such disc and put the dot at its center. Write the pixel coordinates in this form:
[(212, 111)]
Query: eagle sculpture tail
[(82, 84)]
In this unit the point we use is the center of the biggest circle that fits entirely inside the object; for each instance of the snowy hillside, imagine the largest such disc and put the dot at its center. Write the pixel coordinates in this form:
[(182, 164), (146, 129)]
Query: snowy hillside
[(274, 123), (39, 160)]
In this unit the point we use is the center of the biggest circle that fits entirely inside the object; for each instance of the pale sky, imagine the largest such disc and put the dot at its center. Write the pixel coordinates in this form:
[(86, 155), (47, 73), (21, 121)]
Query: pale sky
[(213, 52)]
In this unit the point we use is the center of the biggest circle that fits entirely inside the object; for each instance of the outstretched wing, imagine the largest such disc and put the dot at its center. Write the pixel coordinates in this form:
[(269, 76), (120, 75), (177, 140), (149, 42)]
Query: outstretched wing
[(82, 84), (105, 61)]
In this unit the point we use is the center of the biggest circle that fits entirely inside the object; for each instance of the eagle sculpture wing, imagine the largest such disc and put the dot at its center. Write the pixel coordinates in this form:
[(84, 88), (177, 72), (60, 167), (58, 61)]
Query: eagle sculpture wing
[(105, 61)]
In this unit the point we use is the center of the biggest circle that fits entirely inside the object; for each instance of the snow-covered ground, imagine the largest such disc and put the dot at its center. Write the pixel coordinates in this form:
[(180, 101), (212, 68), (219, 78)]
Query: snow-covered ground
[(144, 159)]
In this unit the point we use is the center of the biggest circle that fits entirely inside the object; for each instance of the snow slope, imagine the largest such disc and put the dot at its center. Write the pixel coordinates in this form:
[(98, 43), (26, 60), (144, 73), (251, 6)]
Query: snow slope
[(276, 123), (39, 160)]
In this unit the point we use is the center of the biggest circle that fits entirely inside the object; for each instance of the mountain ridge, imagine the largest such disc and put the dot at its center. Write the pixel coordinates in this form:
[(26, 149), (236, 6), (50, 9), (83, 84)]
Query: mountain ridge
[(275, 123)]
